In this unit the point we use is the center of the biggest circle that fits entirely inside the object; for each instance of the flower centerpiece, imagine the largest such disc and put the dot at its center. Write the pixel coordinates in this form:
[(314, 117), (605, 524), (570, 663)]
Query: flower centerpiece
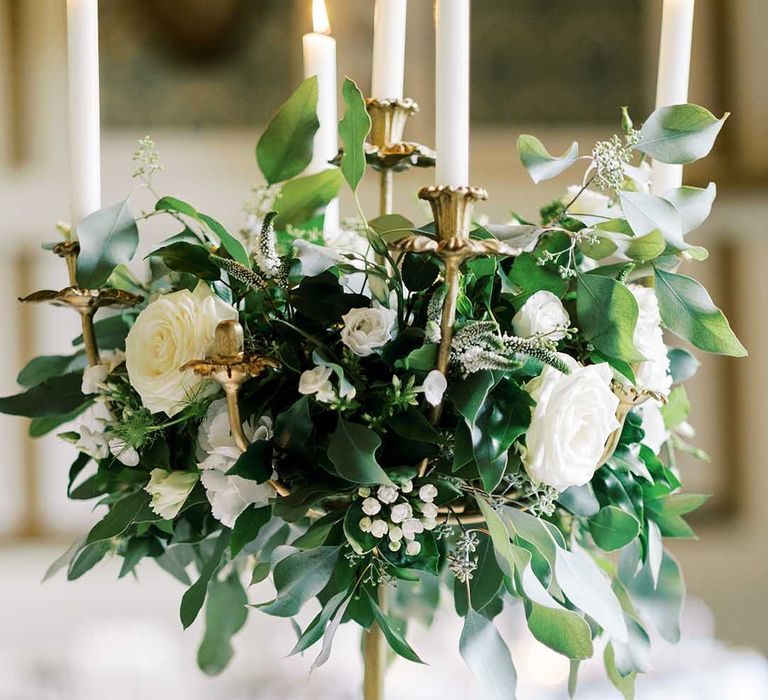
[(270, 406)]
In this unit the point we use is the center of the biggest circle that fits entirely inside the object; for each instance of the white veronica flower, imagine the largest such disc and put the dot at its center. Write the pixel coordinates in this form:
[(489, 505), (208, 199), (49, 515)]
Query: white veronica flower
[(169, 491), (217, 452), (368, 329), (542, 314), (570, 424), (434, 387), (171, 331), (653, 373)]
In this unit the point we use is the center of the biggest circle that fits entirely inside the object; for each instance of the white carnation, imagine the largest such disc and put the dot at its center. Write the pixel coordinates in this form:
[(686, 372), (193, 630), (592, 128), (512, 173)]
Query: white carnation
[(368, 329), (542, 314), (573, 418), (653, 373), (169, 491), (171, 331)]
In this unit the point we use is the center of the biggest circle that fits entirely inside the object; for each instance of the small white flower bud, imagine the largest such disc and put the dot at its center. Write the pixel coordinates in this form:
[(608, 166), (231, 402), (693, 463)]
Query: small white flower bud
[(401, 512), (429, 511), (379, 528), (371, 506), (365, 524), (427, 493), (429, 524), (413, 548), (395, 546), (412, 527), (364, 491), (395, 533), (387, 494), (406, 486)]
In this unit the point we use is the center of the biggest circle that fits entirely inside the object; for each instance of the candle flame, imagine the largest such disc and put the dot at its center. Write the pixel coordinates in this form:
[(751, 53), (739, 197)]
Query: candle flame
[(320, 22)]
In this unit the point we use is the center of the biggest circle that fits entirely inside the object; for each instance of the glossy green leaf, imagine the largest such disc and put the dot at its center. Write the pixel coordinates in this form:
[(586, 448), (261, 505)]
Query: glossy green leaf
[(688, 311), (487, 656), (119, 518), (53, 397), (225, 615), (299, 577), (527, 278), (539, 163), (353, 129), (301, 198), (613, 528), (682, 365), (395, 640), (38, 369), (679, 134), (625, 685), (108, 238), (607, 313), (194, 597), (255, 463), (285, 148), (563, 631), (188, 257), (352, 449), (247, 527)]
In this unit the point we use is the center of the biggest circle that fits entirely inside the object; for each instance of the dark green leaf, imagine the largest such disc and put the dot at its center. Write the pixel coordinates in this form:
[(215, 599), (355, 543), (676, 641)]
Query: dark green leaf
[(53, 397), (247, 527), (108, 238), (188, 257), (613, 528), (395, 640), (419, 272), (47, 366), (194, 596), (352, 449), (87, 558), (255, 463), (294, 426), (487, 656), (45, 424), (225, 615), (353, 129), (119, 518), (110, 333), (688, 311), (285, 148)]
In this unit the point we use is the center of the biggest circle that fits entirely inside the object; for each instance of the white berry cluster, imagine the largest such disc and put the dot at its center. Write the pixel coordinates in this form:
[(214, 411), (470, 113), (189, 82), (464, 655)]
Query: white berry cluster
[(393, 513)]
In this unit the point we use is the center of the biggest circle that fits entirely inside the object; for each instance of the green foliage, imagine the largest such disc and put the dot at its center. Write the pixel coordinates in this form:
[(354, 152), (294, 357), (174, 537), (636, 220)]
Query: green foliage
[(56, 396), (188, 257), (108, 238), (395, 640), (612, 528), (285, 148), (194, 597), (44, 367), (352, 449), (563, 631), (255, 463), (247, 527), (119, 518), (353, 129), (488, 657), (539, 163), (225, 615), (302, 197)]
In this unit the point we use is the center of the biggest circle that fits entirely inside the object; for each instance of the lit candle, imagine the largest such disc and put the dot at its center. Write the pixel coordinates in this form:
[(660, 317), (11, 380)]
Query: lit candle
[(388, 49), (674, 75), (320, 60), (84, 121), (452, 92)]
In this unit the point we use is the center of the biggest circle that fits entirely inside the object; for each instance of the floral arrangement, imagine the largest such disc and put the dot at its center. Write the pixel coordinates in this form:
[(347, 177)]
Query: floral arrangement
[(538, 469)]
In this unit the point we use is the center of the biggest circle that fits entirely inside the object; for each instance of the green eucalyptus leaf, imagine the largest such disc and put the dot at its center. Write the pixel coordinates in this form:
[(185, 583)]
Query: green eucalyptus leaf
[(624, 684), (607, 313), (315, 629), (539, 163), (395, 640), (194, 597), (688, 311), (353, 129), (563, 631), (188, 257), (528, 278), (391, 227), (644, 248), (301, 198), (647, 213), (613, 528), (225, 615), (352, 449), (682, 365), (693, 204), (119, 518), (44, 367), (487, 656), (330, 631), (680, 133), (299, 577), (247, 527), (108, 238), (285, 148)]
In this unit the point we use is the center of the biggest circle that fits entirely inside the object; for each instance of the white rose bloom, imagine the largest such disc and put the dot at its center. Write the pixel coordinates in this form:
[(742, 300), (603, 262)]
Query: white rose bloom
[(314, 380), (123, 452), (571, 422), (95, 377), (217, 452), (652, 374), (93, 440), (656, 433), (434, 387), (542, 314), (368, 329), (171, 331), (371, 506), (413, 548), (387, 494), (169, 491), (589, 202), (401, 512), (379, 528), (412, 527), (428, 493)]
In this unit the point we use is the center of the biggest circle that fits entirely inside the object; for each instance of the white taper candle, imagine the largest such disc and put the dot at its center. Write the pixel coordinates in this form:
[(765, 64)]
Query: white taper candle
[(389, 28), (84, 111), (320, 60), (673, 78), (452, 92)]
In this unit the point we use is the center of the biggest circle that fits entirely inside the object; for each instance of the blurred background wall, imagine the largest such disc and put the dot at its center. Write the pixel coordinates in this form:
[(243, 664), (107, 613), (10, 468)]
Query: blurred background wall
[(202, 78)]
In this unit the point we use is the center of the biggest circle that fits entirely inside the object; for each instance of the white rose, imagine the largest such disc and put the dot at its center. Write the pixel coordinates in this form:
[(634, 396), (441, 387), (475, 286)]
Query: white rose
[(368, 329), (387, 494), (589, 202), (571, 422), (653, 374), (401, 512), (542, 314), (169, 491), (434, 387), (371, 506), (656, 433), (171, 331), (217, 453)]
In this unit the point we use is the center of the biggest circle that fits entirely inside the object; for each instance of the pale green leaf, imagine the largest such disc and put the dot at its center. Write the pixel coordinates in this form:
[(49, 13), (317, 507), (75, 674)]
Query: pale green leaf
[(487, 656), (301, 198), (353, 129), (539, 163)]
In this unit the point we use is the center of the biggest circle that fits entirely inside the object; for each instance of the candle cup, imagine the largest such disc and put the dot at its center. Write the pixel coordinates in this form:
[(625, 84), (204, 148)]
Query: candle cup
[(388, 120), (452, 208)]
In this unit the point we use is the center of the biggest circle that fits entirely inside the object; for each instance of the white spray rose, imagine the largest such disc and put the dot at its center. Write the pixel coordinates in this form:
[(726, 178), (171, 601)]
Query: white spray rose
[(379, 528), (571, 422), (412, 527), (434, 387), (542, 314), (428, 493), (368, 329), (217, 452), (169, 491), (171, 331), (652, 374)]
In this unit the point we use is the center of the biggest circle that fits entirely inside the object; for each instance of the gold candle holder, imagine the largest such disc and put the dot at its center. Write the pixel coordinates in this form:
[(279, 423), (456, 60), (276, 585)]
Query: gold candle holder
[(231, 367), (85, 301)]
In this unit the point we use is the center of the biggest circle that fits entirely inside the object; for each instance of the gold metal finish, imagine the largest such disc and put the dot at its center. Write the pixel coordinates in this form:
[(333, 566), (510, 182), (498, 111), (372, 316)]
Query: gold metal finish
[(375, 655), (230, 367)]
